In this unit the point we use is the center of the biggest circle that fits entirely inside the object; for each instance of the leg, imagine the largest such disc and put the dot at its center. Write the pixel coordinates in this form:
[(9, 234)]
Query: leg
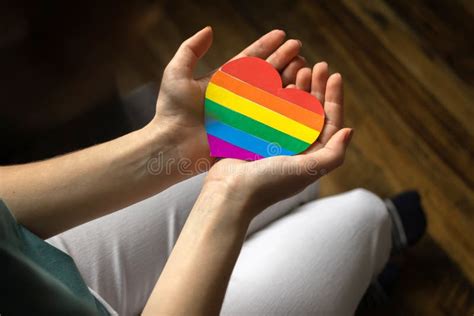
[(318, 260), (121, 255)]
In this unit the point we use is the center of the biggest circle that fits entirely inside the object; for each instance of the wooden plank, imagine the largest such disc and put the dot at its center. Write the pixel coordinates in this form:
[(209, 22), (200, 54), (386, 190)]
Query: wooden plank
[(444, 29), (423, 63)]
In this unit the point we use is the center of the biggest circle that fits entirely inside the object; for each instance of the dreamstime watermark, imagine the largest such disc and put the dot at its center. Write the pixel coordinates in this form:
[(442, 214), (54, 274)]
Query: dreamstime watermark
[(184, 166), (274, 149), (161, 165)]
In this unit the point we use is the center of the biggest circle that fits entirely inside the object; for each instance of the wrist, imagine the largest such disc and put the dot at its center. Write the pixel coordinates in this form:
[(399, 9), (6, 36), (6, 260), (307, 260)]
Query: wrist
[(188, 151), (159, 155), (161, 136), (238, 205)]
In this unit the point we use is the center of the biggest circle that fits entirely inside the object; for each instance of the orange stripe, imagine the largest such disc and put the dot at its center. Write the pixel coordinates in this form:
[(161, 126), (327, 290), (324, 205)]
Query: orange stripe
[(268, 100)]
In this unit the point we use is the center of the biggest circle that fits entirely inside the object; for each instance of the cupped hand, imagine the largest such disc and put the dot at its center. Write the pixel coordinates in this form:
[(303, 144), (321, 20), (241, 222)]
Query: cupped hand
[(261, 183), (180, 104)]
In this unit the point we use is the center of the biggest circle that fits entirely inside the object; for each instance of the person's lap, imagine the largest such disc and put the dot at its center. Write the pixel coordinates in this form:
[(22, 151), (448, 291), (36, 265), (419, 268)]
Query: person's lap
[(122, 254), (289, 264)]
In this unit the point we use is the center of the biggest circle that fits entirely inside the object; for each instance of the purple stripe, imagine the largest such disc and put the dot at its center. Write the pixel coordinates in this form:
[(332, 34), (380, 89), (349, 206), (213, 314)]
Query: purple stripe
[(223, 149)]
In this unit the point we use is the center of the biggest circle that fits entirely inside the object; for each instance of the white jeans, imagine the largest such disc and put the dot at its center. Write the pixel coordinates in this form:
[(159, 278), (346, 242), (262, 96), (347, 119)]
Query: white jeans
[(302, 256)]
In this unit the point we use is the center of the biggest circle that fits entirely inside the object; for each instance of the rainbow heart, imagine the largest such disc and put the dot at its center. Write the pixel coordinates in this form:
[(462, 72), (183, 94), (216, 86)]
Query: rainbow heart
[(249, 116)]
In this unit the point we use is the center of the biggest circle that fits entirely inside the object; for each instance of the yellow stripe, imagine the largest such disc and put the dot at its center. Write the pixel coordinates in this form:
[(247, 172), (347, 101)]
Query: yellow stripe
[(260, 113)]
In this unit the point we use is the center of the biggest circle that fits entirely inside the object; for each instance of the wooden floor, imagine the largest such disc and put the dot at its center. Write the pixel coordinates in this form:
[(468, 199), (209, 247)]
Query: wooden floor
[(409, 78)]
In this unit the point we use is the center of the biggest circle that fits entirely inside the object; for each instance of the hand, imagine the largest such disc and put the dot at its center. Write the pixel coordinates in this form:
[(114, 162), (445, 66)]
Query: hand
[(258, 184), (180, 105)]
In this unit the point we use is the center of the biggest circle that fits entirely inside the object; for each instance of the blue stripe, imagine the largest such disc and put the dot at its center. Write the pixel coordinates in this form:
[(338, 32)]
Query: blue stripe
[(244, 140)]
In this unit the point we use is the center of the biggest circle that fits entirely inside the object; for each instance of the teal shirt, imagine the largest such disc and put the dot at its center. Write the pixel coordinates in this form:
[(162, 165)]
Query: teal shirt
[(37, 278)]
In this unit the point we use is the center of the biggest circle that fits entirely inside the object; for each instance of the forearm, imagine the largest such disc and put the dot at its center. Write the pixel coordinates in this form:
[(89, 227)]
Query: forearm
[(56, 194), (196, 275)]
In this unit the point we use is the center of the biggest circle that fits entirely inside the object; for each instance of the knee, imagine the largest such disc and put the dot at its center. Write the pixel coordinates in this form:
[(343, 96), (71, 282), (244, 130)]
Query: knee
[(370, 209)]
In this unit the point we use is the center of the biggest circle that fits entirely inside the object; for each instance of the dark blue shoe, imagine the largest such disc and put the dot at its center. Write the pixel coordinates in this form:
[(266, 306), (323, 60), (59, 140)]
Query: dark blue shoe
[(408, 219)]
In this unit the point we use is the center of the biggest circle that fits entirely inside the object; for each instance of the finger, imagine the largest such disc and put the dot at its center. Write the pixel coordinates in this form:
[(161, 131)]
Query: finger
[(319, 80), (291, 86), (288, 75), (332, 154), (284, 54), (333, 108), (190, 51), (264, 46), (303, 79)]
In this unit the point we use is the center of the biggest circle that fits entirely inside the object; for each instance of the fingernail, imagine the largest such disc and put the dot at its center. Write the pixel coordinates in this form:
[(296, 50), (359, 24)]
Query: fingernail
[(279, 30), (204, 29), (348, 136), (301, 43)]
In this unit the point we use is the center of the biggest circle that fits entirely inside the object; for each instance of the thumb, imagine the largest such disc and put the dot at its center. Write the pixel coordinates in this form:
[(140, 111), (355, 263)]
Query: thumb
[(332, 154), (190, 51)]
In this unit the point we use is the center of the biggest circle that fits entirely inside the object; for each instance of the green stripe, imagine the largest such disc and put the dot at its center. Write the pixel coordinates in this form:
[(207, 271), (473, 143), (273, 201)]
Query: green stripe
[(250, 126)]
